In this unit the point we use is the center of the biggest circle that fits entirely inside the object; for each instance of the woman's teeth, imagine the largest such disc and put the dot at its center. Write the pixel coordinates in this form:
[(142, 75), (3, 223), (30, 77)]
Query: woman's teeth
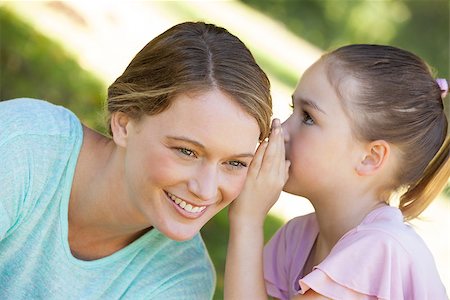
[(187, 207)]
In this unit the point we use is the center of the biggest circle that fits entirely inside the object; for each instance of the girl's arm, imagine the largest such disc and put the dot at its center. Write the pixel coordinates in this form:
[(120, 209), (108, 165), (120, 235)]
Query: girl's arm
[(266, 176)]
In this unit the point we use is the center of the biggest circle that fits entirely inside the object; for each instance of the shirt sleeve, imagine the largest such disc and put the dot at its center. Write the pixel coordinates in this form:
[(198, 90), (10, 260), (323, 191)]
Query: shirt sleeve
[(15, 179), (374, 265), (35, 140), (275, 272)]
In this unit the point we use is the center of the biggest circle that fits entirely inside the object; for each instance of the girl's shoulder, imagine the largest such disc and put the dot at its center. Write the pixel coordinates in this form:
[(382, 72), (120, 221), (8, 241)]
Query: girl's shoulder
[(384, 257), (298, 233), (295, 238), (305, 224), (286, 252), (385, 235), (385, 226)]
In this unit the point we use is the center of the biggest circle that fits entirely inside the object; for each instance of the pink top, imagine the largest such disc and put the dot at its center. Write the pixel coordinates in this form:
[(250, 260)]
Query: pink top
[(382, 258)]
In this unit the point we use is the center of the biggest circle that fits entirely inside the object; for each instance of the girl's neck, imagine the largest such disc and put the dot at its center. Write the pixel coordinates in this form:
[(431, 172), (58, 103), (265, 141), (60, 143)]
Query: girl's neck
[(334, 222), (337, 218)]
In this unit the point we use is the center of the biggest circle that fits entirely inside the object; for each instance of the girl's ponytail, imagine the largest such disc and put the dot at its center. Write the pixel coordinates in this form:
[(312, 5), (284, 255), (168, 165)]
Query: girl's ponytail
[(419, 196)]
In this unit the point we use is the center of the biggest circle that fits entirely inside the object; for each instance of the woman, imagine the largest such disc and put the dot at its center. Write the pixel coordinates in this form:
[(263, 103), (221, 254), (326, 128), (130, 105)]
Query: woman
[(87, 216)]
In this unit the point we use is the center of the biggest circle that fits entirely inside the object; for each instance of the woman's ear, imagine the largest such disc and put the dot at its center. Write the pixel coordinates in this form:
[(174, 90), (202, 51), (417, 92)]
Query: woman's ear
[(374, 158), (119, 128)]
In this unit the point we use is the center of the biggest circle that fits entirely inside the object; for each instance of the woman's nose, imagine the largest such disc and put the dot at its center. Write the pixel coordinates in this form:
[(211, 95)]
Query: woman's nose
[(204, 184)]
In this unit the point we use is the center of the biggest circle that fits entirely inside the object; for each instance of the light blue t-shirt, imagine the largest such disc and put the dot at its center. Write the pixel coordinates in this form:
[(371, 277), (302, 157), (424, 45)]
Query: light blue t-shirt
[(39, 147)]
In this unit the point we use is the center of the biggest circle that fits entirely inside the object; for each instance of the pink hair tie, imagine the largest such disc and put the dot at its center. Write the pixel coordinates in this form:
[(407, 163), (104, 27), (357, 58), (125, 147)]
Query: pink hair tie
[(443, 85)]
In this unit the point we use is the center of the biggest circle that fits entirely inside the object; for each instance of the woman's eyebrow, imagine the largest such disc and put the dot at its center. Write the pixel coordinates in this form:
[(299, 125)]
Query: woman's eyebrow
[(201, 146), (187, 140)]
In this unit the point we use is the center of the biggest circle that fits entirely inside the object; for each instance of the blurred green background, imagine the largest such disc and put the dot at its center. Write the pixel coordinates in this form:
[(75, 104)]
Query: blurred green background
[(421, 26), (34, 65)]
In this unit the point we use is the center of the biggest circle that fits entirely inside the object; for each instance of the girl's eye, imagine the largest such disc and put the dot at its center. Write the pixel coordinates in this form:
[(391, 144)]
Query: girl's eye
[(236, 164), (186, 152), (307, 120)]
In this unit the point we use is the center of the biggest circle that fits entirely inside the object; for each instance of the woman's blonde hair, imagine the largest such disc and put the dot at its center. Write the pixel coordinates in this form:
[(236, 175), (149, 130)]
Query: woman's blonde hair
[(191, 57), (396, 99)]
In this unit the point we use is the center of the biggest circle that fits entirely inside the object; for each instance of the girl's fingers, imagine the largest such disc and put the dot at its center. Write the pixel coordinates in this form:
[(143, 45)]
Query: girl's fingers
[(282, 157), (274, 155), (266, 176), (255, 165)]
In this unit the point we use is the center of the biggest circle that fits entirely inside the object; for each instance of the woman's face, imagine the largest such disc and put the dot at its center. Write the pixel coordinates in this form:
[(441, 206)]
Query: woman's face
[(184, 165)]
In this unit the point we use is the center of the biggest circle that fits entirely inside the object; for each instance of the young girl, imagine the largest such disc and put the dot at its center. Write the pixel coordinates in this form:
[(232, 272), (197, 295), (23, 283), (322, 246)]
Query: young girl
[(368, 122)]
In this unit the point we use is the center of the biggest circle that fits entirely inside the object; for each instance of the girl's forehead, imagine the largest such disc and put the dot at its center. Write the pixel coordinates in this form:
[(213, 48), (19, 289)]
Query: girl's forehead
[(314, 78)]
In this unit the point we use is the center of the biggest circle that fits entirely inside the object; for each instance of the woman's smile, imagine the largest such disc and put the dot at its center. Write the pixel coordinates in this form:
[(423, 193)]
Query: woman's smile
[(184, 207)]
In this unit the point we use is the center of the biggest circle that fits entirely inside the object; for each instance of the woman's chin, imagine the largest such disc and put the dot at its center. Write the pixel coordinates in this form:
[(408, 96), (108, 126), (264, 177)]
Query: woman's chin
[(180, 236)]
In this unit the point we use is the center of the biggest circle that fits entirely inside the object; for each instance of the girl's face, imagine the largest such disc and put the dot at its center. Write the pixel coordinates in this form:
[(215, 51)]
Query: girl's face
[(319, 140), (184, 165)]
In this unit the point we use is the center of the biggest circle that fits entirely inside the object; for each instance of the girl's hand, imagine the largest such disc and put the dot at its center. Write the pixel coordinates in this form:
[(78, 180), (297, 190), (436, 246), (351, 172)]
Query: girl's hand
[(266, 177)]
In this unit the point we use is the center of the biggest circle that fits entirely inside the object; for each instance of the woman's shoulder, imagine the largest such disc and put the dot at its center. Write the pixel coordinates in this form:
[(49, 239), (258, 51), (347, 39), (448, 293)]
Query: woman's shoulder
[(32, 116), (38, 136), (38, 141)]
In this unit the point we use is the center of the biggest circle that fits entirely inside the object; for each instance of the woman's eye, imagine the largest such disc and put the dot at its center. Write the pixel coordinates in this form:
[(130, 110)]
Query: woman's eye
[(236, 164), (186, 152), (307, 120)]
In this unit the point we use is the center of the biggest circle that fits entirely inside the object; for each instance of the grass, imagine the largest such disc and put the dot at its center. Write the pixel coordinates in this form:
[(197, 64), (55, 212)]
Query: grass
[(34, 66)]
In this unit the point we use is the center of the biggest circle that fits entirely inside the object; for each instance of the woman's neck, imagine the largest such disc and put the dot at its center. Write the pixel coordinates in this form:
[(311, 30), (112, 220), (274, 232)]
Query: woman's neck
[(97, 219)]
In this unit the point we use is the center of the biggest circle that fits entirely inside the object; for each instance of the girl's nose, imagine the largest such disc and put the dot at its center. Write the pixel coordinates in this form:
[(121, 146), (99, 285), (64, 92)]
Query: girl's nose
[(284, 125)]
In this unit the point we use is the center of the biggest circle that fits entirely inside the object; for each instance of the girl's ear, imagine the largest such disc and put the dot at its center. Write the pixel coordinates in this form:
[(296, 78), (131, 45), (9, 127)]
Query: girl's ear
[(119, 128), (375, 157)]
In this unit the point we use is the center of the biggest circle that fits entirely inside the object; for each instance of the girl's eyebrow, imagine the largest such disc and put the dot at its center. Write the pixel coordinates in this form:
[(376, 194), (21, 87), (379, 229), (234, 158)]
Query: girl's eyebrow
[(307, 102), (201, 146)]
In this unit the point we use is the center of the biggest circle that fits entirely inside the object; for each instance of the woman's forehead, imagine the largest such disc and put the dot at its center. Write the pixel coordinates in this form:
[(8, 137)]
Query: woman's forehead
[(212, 119)]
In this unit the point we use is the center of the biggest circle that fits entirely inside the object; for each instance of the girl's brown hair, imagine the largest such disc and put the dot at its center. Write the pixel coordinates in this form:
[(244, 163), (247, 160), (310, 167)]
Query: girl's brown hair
[(191, 57), (394, 97)]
